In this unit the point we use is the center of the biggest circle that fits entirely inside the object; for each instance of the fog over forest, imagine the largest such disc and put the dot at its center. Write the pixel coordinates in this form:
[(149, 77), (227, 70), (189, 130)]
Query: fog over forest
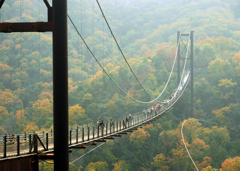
[(146, 31)]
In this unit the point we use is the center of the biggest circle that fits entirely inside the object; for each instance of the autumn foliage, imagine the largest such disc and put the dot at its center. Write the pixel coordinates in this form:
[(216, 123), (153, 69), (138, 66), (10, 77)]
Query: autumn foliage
[(146, 31)]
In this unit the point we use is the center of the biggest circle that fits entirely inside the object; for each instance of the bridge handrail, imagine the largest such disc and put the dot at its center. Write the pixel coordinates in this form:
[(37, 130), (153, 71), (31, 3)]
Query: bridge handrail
[(83, 134)]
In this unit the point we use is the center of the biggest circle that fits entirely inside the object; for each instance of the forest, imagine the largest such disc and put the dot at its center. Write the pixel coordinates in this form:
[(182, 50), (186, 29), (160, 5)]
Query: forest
[(147, 33)]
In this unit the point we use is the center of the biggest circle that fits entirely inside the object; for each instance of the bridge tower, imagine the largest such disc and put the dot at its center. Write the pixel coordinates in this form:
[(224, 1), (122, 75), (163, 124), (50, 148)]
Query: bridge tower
[(57, 23), (179, 35)]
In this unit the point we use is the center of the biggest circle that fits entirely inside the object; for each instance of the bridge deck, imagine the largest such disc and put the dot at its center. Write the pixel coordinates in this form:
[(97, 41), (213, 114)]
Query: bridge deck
[(80, 138)]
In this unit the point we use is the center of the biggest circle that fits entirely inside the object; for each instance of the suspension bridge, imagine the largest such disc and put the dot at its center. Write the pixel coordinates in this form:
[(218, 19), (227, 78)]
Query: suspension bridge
[(22, 151), (41, 144)]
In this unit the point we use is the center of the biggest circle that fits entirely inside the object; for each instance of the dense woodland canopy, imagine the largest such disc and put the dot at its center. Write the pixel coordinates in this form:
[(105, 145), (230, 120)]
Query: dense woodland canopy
[(146, 31)]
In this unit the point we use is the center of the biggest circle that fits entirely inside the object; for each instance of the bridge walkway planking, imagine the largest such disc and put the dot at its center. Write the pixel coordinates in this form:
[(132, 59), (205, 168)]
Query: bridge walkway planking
[(86, 135)]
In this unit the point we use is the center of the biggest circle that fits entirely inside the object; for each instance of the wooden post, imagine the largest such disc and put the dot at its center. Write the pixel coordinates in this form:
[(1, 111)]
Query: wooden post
[(4, 146), (98, 132), (88, 132), (83, 134), (35, 143), (70, 137), (30, 143), (77, 135), (47, 141), (18, 146)]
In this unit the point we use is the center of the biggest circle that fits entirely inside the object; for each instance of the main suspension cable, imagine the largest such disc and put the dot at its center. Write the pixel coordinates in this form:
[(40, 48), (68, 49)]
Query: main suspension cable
[(112, 78), (122, 51), (154, 99)]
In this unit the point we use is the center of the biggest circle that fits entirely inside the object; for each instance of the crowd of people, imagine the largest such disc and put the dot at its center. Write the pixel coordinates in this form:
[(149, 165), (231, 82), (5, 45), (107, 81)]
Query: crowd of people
[(100, 123), (152, 109), (128, 119)]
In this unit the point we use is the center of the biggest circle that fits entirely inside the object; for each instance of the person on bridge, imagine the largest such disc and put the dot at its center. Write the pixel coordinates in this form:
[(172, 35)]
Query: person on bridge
[(101, 124), (11, 138), (127, 120), (130, 118), (152, 109), (111, 123), (144, 111), (98, 123)]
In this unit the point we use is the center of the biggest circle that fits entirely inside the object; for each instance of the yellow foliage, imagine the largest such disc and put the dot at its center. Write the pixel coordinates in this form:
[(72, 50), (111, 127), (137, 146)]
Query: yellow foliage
[(42, 105), (209, 168), (79, 168), (117, 68), (115, 96), (200, 144), (231, 164), (25, 50), (160, 162), (117, 166), (227, 95), (219, 113), (192, 125), (97, 166), (45, 72), (43, 112), (3, 112), (143, 169), (70, 85), (236, 58), (44, 95), (90, 80), (140, 135), (33, 61), (226, 82), (110, 65), (31, 127), (46, 37), (207, 40), (17, 83), (133, 93), (179, 153), (18, 46), (6, 97), (47, 85), (4, 67), (76, 114), (111, 106), (87, 96), (7, 77), (206, 162), (99, 73), (221, 133), (46, 166), (1, 128), (216, 66), (159, 126), (19, 115), (206, 132)]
